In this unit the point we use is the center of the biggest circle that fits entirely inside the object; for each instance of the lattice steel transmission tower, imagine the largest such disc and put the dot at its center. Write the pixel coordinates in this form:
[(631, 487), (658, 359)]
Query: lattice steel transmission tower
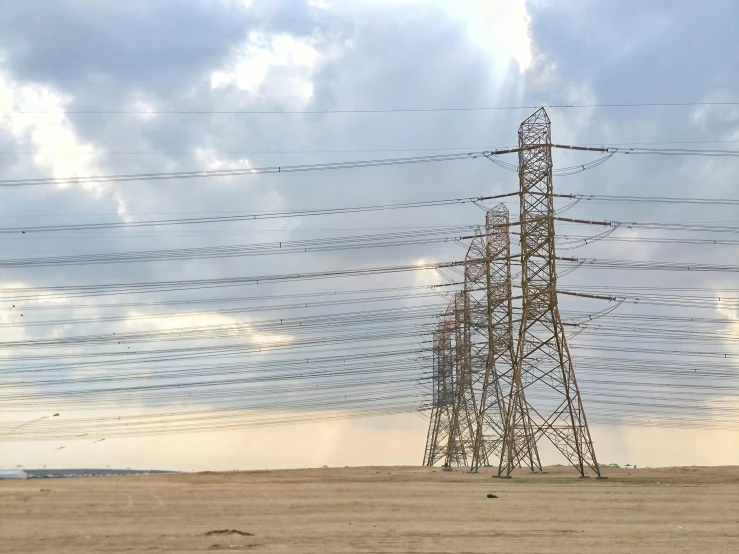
[(442, 397), (489, 285), (478, 364), (463, 423), (543, 369), (448, 436), (480, 351), (472, 357)]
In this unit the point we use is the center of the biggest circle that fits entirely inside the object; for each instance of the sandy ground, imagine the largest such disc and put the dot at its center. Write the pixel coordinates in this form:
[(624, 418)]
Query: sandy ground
[(376, 509)]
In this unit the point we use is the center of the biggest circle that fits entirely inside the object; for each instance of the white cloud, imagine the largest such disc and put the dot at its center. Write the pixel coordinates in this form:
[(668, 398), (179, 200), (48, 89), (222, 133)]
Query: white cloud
[(731, 339), (212, 162), (121, 209), (235, 3), (140, 103), (493, 25), (496, 25), (233, 327), (58, 149), (12, 320), (250, 66)]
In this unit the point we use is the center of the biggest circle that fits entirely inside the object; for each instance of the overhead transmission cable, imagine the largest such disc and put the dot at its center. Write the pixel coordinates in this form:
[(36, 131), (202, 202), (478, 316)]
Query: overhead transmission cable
[(490, 155), (196, 111)]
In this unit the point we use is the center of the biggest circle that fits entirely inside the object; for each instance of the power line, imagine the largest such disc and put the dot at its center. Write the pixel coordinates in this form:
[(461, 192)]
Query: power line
[(236, 215), (239, 171), (367, 360), (368, 111), (650, 199), (192, 153), (69, 291), (261, 152), (379, 240), (490, 155), (255, 216)]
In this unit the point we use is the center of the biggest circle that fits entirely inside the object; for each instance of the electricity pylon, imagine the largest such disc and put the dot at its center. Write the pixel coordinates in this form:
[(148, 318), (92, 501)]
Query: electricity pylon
[(542, 369), (488, 280), (480, 350), (442, 382), (463, 419), (445, 441), (472, 357)]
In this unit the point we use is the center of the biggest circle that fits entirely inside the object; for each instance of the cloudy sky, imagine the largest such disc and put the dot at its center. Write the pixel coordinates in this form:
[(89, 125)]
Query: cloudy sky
[(213, 62)]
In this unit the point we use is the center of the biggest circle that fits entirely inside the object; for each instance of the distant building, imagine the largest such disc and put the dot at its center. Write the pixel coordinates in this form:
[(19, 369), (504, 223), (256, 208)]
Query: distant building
[(13, 474)]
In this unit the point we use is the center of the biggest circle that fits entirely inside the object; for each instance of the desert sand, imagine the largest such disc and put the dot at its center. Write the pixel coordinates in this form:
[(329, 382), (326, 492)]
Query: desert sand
[(376, 509)]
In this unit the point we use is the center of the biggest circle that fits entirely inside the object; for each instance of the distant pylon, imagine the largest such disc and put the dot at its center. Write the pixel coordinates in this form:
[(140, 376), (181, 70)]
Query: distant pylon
[(442, 397), (480, 351), (445, 441), (543, 369), (488, 282), (463, 421)]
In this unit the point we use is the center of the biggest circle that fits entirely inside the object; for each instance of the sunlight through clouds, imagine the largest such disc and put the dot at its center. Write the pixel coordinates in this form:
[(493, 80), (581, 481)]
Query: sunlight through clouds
[(191, 324), (253, 61), (212, 162), (496, 26), (51, 135)]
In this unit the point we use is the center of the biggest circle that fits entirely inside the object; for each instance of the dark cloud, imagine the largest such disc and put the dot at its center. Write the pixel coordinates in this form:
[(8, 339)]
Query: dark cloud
[(637, 52), (97, 52)]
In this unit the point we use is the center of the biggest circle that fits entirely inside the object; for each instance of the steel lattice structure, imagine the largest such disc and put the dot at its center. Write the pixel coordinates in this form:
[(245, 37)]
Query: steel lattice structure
[(442, 380), (543, 369), (463, 421), (448, 436), (473, 357), (490, 274), (480, 351), (498, 393)]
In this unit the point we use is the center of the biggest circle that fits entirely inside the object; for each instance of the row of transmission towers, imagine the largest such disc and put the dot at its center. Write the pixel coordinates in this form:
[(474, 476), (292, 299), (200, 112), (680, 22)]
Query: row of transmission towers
[(501, 383)]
